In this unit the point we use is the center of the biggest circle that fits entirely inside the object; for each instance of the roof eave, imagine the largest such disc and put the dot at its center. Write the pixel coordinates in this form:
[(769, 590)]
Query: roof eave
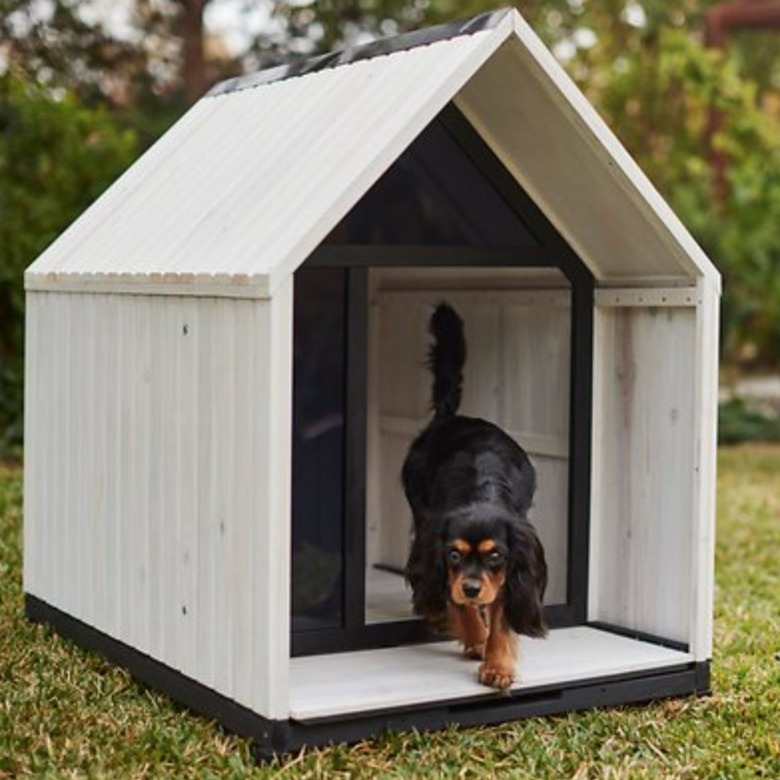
[(628, 175), (254, 286)]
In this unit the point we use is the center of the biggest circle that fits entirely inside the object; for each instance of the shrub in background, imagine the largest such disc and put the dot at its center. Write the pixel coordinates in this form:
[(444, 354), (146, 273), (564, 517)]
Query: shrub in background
[(741, 421), (56, 157)]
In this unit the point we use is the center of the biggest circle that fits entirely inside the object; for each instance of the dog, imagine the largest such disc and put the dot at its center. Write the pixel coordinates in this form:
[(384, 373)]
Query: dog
[(476, 566)]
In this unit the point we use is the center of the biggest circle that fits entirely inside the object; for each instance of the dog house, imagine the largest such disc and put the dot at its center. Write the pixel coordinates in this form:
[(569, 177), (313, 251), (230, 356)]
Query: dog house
[(225, 366)]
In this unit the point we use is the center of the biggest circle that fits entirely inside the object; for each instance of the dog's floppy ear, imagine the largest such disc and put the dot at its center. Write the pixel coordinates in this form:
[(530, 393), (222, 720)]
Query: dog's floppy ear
[(526, 580), (426, 570)]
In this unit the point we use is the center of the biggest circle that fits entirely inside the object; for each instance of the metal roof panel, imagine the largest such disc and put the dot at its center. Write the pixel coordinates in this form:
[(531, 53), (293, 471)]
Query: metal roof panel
[(249, 182)]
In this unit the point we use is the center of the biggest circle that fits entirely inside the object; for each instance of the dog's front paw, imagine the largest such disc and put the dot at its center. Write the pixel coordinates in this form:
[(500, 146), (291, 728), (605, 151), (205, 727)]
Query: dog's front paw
[(475, 651), (496, 676)]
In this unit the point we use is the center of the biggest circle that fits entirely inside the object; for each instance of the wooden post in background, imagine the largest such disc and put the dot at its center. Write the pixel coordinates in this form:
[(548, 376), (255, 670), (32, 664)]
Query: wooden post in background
[(720, 21)]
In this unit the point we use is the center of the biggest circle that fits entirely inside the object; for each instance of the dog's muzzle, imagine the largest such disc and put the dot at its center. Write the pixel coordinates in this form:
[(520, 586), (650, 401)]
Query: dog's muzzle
[(472, 588)]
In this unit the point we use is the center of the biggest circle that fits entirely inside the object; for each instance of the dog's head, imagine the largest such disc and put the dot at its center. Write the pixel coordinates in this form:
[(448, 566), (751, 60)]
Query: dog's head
[(482, 556), (476, 568)]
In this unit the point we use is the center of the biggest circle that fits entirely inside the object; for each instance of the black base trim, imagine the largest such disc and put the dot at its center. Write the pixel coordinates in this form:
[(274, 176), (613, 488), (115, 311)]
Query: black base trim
[(155, 674), (703, 679), (641, 636), (663, 684), (272, 738)]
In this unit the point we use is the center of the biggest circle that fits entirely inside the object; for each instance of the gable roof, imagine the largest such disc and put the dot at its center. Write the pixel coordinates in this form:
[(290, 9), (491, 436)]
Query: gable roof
[(247, 184)]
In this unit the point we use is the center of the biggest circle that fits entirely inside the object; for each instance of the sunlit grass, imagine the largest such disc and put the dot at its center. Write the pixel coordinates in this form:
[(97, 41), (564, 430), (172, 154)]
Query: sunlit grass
[(67, 713)]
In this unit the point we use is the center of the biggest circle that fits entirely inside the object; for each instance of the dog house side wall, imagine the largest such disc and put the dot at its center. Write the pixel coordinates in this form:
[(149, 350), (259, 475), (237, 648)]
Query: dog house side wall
[(652, 516), (157, 479), (706, 443)]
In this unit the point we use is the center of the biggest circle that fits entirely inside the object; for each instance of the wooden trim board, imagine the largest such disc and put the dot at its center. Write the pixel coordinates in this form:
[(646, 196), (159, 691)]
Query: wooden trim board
[(379, 680)]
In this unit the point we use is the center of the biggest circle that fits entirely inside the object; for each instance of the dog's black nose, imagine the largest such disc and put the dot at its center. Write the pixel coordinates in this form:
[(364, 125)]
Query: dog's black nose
[(471, 589)]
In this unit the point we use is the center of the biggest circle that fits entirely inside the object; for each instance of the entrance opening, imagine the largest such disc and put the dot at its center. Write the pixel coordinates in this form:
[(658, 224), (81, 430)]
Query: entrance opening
[(446, 222)]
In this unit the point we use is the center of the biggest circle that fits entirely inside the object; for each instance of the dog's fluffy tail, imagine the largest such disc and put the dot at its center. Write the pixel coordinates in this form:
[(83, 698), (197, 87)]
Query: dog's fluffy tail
[(446, 359)]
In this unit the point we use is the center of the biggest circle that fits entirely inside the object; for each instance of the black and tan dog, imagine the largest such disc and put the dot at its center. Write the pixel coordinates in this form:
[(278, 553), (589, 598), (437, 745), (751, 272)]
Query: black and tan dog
[(476, 564)]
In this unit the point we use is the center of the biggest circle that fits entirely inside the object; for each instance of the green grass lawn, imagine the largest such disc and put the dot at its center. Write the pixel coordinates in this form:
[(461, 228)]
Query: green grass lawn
[(66, 713)]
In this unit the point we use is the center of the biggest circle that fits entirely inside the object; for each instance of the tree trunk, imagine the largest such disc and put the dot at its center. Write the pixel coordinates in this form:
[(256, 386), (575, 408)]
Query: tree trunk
[(194, 66)]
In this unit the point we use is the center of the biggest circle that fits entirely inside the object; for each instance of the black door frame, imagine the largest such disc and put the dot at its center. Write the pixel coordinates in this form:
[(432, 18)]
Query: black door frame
[(553, 252)]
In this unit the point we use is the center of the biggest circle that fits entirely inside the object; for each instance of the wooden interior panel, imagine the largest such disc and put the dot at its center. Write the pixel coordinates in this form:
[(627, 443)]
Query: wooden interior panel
[(395, 521), (516, 375), (402, 334), (536, 376), (550, 516), (484, 358)]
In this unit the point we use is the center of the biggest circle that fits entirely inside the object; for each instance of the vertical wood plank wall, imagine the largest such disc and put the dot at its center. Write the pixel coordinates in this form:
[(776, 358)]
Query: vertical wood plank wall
[(646, 467), (516, 375), (702, 573), (157, 479)]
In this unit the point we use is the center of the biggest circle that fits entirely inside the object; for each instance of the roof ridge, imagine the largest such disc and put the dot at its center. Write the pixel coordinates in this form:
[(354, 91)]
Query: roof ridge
[(378, 48)]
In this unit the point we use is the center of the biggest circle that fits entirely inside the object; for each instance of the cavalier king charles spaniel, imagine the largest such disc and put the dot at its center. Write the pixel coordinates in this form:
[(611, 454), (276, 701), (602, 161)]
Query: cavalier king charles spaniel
[(476, 566)]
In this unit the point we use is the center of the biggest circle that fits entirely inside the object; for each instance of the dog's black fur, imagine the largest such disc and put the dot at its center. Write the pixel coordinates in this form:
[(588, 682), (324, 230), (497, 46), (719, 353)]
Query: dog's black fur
[(465, 479)]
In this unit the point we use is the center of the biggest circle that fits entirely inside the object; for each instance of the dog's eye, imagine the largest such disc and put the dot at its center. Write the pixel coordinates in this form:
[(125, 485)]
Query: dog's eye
[(455, 557), (495, 558)]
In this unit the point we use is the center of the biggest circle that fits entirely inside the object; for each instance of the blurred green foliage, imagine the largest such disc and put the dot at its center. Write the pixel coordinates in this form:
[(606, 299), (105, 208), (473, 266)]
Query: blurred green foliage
[(56, 157), (740, 421), (658, 96)]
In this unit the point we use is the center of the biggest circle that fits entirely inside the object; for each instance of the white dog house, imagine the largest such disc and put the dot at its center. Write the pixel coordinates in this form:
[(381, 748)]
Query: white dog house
[(225, 367)]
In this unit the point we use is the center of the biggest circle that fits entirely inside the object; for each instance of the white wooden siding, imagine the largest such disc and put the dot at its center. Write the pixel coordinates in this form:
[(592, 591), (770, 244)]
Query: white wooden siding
[(516, 375), (157, 479), (702, 570), (646, 412)]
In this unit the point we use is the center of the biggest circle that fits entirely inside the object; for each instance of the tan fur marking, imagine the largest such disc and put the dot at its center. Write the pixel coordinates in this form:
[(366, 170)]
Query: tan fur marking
[(498, 668), (491, 588), (488, 545), (492, 582), (462, 546), (456, 589), (469, 629)]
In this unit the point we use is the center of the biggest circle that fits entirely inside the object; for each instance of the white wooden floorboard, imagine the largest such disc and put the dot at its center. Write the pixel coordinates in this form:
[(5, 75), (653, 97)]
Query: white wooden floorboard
[(343, 683)]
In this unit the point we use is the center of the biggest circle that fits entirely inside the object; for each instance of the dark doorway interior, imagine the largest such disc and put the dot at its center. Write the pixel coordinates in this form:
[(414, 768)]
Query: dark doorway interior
[(446, 202)]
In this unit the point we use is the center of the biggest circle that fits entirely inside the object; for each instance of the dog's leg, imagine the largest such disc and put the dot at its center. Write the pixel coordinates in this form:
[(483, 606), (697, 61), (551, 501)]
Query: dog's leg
[(467, 626), (498, 668)]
